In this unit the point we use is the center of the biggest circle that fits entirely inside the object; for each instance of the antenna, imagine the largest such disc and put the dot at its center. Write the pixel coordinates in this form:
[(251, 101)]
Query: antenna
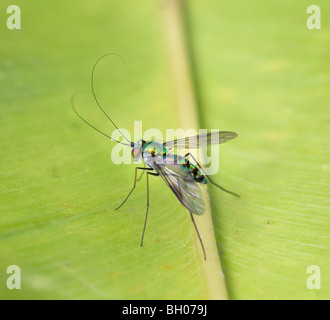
[(96, 100), (74, 109)]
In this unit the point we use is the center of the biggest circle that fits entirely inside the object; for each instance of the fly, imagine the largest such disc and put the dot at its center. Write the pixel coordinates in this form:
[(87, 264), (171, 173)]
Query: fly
[(183, 175)]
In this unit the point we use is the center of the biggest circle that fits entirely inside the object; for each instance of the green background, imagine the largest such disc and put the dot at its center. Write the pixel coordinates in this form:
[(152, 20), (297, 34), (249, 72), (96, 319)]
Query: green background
[(258, 71)]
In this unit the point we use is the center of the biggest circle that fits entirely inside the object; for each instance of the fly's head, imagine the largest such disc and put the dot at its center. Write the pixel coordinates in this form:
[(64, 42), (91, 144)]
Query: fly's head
[(137, 149)]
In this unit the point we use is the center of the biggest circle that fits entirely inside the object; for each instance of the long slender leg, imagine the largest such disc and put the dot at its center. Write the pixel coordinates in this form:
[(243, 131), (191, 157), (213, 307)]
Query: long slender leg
[(145, 220), (193, 221), (199, 237), (141, 175), (217, 185), (136, 169), (222, 188)]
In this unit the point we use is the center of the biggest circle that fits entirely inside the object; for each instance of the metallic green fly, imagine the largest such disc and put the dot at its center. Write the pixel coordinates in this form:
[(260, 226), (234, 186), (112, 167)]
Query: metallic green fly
[(183, 176)]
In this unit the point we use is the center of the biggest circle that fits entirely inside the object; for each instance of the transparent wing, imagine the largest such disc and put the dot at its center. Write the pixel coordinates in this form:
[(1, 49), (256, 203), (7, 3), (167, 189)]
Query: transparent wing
[(202, 140), (182, 184)]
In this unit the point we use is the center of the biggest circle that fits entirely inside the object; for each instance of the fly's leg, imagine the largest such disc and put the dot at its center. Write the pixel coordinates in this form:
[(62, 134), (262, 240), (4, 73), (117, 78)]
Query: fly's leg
[(141, 175), (145, 220), (193, 221), (211, 181), (136, 169), (199, 237)]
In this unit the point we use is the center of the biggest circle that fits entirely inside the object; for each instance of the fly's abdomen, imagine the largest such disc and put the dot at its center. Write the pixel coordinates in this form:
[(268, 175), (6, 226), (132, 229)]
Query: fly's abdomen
[(194, 171)]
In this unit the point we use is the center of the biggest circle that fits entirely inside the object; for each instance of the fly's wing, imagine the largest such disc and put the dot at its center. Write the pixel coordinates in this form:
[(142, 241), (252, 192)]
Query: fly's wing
[(182, 184), (202, 140)]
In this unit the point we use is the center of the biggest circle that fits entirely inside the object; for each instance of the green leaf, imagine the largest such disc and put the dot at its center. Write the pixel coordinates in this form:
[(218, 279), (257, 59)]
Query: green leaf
[(259, 71), (59, 187), (263, 74)]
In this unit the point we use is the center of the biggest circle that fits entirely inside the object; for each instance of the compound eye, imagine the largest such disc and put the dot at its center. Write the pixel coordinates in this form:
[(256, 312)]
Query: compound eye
[(136, 152)]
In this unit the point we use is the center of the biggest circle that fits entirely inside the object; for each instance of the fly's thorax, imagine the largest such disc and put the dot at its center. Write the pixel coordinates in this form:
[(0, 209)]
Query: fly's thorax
[(153, 151), (153, 148)]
